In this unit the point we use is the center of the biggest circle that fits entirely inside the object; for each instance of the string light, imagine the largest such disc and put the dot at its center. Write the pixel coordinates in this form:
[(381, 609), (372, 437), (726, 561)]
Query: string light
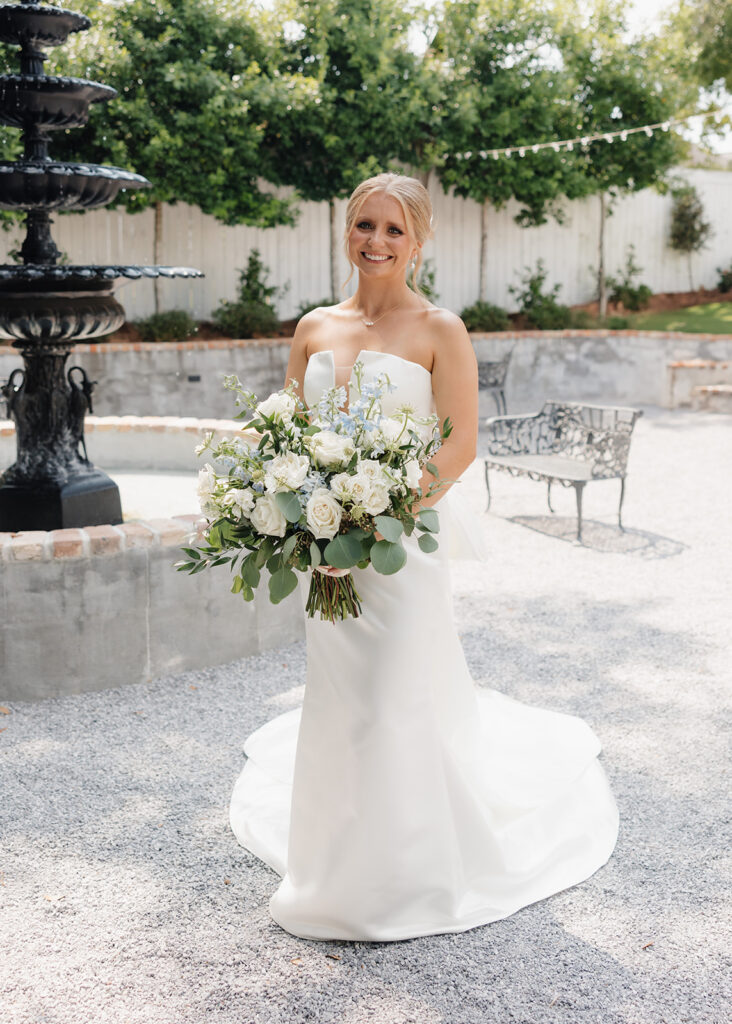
[(585, 140)]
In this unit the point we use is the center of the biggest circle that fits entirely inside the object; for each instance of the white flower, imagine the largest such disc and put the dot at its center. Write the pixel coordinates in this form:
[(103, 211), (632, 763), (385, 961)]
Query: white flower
[(323, 514), (340, 485), (371, 469), (412, 472), (376, 500), (239, 498), (267, 518), (285, 472), (280, 405), (206, 482), (394, 429), (331, 450)]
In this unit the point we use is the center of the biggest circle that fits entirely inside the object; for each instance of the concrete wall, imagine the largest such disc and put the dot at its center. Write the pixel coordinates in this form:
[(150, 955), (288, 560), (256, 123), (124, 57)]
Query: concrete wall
[(616, 366), (103, 607)]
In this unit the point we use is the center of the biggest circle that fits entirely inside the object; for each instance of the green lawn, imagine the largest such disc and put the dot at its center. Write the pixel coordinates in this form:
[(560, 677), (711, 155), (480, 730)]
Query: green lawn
[(711, 318)]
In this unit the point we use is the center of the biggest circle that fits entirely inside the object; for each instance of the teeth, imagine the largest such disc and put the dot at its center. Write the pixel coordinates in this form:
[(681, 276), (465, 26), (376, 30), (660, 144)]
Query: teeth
[(376, 259)]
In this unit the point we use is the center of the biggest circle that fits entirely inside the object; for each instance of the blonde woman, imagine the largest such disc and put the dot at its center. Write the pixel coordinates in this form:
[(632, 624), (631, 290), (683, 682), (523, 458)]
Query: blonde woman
[(402, 800)]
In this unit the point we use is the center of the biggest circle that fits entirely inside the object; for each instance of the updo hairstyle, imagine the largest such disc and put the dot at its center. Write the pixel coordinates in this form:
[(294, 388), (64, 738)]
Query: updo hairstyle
[(416, 205)]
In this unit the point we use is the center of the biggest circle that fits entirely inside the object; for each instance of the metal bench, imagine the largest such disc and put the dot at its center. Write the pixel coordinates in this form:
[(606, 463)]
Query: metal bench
[(492, 377), (568, 443)]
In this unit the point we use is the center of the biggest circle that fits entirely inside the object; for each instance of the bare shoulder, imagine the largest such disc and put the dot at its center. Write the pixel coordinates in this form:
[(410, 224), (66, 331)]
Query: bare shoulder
[(311, 324), (449, 334)]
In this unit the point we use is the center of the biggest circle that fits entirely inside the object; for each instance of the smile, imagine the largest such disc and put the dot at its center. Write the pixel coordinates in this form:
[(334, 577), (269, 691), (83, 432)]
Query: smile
[(374, 258)]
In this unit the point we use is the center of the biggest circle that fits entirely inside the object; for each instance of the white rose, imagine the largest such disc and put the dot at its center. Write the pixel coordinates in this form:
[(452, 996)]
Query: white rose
[(376, 500), (393, 429), (285, 472), (412, 472), (340, 485), (371, 469), (267, 518), (280, 405), (331, 450), (323, 514), (207, 481), (239, 498)]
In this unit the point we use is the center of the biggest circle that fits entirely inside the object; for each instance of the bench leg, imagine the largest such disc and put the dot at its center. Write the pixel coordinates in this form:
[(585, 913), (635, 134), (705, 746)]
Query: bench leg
[(497, 399), (578, 488), (487, 487), (620, 506), (549, 495), (502, 395)]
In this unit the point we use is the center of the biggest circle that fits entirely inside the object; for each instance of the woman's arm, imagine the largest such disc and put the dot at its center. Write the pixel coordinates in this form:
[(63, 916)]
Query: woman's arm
[(455, 387)]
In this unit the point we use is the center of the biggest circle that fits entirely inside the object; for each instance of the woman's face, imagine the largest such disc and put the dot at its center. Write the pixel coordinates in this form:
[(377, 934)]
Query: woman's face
[(379, 244)]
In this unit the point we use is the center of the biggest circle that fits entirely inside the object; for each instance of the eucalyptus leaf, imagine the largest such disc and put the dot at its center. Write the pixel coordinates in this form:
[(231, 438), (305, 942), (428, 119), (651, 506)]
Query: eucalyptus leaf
[(237, 585), (289, 546), (427, 542), (387, 558), (315, 556), (428, 519), (289, 505), (249, 571), (343, 551), (432, 468), (391, 529), (281, 583)]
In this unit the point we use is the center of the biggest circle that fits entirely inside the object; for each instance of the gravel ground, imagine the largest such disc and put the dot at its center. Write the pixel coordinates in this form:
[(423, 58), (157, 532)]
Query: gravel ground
[(126, 900)]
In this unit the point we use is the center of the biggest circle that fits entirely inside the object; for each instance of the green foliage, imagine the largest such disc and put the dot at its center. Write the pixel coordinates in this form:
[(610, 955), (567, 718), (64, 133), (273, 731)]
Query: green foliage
[(623, 289), (504, 86), (369, 97), (426, 281), (484, 316), (617, 323), (724, 284), (689, 230), (196, 89), (307, 307), (171, 325), (252, 312), (540, 308)]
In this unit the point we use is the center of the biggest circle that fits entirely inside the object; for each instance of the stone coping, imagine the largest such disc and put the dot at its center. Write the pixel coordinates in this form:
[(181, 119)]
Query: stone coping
[(146, 424), (93, 541), (230, 343), (698, 364)]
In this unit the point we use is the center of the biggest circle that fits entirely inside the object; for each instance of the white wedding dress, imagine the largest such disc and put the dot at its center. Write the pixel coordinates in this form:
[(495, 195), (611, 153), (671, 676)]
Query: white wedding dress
[(403, 800)]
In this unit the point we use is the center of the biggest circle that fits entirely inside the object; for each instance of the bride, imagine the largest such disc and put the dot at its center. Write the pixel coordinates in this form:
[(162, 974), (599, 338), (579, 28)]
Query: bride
[(402, 800)]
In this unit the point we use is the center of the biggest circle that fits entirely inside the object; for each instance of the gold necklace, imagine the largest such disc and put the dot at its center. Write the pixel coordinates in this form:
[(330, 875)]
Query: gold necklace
[(370, 323)]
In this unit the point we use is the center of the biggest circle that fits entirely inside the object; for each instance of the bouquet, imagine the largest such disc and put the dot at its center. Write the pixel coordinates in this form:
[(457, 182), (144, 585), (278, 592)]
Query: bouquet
[(317, 490)]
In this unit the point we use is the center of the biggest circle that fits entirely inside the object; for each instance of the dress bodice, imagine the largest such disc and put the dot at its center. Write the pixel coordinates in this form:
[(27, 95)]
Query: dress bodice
[(413, 383)]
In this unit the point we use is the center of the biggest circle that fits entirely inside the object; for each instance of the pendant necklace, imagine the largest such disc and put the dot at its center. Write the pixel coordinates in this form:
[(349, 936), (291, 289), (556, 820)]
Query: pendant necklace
[(370, 323)]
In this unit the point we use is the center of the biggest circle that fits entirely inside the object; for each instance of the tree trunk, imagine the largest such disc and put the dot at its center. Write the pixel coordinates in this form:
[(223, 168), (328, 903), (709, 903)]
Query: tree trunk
[(691, 282), (157, 250), (601, 285), (483, 271), (333, 249)]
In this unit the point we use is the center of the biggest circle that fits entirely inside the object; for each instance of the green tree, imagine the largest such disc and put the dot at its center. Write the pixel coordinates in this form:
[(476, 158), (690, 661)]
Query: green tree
[(689, 230), (371, 104), (196, 90), (504, 88), (617, 85)]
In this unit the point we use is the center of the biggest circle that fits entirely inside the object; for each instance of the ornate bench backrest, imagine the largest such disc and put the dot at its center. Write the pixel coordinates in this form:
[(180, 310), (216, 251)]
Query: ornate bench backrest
[(599, 434), (492, 374)]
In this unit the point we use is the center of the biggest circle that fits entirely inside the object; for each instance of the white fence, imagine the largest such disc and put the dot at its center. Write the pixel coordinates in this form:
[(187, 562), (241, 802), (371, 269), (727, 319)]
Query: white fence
[(299, 256)]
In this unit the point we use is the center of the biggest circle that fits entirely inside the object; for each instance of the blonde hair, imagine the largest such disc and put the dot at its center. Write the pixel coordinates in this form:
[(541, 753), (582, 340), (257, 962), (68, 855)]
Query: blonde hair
[(416, 205)]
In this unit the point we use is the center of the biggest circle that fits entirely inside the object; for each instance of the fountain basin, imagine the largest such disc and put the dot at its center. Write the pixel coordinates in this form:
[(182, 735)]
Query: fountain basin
[(51, 185), (39, 24), (98, 607), (49, 101)]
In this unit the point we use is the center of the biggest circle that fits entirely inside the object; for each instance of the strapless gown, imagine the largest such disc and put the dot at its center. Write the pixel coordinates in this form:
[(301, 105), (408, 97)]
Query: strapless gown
[(402, 799)]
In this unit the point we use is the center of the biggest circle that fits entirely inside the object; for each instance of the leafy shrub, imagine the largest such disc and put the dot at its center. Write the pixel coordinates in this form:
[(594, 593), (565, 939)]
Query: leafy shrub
[(622, 289), (306, 307), (617, 323), (484, 316), (426, 281), (253, 312), (724, 284), (540, 308), (581, 318), (172, 325)]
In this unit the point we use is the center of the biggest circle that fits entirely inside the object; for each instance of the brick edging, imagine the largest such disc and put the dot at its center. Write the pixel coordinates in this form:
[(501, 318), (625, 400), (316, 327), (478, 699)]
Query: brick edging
[(94, 541), (231, 343), (157, 424)]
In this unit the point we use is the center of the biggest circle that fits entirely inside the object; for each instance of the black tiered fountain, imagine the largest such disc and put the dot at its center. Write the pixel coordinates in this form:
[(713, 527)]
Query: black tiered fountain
[(45, 307)]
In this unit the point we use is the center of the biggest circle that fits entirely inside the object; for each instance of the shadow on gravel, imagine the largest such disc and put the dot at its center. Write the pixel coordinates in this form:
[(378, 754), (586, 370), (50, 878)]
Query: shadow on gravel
[(604, 537)]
